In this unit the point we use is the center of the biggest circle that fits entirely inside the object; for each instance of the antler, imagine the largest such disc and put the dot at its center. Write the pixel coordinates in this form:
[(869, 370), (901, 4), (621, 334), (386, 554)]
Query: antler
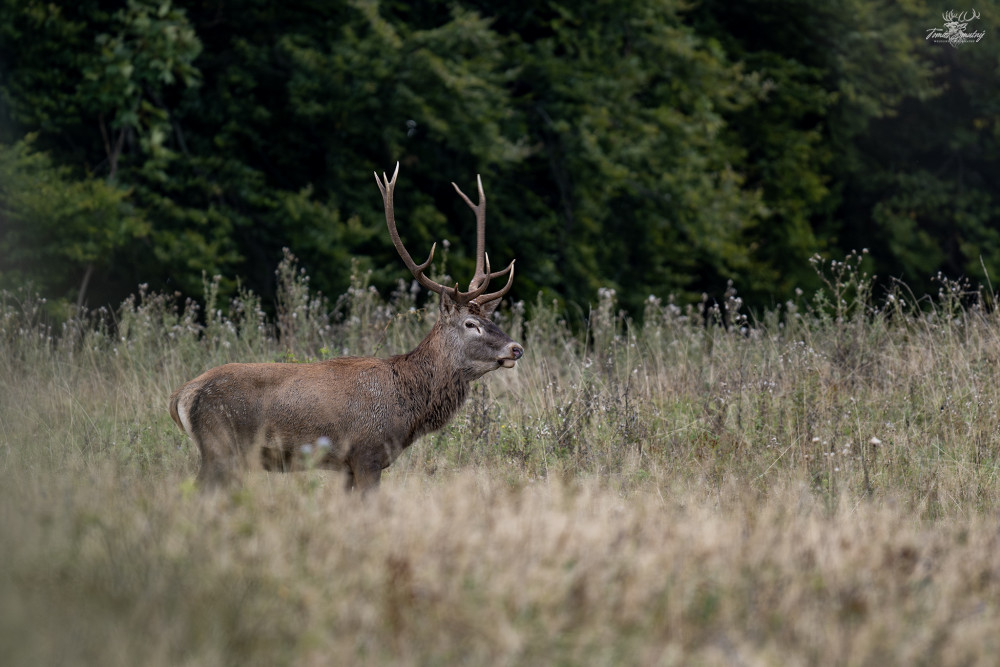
[(386, 188), (482, 276)]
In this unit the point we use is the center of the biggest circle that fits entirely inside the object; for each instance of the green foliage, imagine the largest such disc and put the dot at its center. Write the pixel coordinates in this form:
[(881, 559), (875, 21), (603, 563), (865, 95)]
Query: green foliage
[(936, 209), (152, 47), (43, 47), (52, 221), (635, 167), (648, 146)]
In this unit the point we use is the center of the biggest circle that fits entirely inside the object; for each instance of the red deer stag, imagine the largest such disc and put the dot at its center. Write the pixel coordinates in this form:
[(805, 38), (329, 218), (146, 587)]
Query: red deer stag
[(356, 414)]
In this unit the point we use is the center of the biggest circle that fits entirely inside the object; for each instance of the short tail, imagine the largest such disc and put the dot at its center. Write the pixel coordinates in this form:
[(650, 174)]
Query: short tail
[(174, 398)]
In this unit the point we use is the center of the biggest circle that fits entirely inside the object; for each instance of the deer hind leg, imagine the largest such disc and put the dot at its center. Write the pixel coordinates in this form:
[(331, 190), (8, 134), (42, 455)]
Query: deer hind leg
[(214, 473), (223, 462)]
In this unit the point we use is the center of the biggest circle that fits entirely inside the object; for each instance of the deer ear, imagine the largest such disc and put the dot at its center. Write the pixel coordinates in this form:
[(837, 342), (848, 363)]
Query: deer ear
[(488, 307), (447, 304)]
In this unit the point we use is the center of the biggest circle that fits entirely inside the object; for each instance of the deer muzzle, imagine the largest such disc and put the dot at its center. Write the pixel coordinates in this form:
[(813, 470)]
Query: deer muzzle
[(514, 352)]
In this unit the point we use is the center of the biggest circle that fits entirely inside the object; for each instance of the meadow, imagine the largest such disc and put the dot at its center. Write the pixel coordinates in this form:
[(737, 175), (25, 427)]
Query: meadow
[(816, 483)]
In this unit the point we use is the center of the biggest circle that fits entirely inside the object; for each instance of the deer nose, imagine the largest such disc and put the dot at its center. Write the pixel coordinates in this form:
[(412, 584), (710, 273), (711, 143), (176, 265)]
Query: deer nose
[(516, 351)]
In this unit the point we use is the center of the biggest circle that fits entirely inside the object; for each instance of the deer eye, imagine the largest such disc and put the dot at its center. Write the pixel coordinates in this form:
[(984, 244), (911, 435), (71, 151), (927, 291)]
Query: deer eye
[(469, 324)]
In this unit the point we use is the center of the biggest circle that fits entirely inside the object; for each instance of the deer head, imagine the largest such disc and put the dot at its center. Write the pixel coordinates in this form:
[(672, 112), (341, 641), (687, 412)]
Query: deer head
[(479, 345)]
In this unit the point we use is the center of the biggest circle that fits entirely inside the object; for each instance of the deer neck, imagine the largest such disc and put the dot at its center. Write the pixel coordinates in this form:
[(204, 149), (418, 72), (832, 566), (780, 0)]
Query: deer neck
[(431, 384)]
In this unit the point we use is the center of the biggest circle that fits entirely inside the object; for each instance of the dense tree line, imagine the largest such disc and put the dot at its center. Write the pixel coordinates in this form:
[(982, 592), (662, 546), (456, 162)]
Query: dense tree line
[(654, 146)]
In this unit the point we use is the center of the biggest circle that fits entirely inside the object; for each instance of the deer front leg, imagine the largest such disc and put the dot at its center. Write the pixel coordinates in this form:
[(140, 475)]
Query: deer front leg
[(368, 480), (362, 478)]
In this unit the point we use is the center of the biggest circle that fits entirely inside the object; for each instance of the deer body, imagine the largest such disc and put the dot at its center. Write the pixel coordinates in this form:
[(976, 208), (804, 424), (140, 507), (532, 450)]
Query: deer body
[(354, 414)]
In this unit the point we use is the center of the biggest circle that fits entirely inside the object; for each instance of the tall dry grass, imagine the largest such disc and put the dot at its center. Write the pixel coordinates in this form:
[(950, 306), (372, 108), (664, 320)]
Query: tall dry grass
[(816, 484)]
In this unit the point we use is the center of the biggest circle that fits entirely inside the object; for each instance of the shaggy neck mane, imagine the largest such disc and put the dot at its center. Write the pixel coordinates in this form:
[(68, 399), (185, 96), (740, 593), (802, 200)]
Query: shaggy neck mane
[(431, 386)]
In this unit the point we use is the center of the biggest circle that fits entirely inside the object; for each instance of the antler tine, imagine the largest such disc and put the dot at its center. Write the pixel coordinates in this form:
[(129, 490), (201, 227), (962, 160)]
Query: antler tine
[(479, 276), (474, 291), (496, 274), (483, 275), (475, 294), (499, 294), (386, 186)]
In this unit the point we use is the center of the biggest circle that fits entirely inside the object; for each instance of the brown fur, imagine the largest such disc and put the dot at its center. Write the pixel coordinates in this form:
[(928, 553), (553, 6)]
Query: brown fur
[(368, 410)]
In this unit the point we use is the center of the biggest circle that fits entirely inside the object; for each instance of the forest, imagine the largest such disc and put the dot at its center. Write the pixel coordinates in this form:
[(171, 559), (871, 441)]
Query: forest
[(653, 147)]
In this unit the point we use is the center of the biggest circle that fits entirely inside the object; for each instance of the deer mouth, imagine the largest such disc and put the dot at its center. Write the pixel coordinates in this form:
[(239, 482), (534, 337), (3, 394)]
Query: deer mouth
[(515, 353)]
